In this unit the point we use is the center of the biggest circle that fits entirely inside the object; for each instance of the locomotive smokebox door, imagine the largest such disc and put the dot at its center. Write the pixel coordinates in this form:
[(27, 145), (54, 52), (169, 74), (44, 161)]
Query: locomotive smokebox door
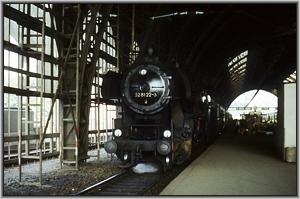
[(146, 89)]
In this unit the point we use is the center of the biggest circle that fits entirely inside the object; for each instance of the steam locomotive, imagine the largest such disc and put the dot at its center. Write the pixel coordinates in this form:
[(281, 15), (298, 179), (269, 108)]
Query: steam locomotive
[(160, 119)]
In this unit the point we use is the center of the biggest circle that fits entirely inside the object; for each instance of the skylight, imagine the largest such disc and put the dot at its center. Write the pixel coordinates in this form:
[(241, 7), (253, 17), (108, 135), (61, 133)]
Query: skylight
[(291, 79), (178, 13), (237, 66)]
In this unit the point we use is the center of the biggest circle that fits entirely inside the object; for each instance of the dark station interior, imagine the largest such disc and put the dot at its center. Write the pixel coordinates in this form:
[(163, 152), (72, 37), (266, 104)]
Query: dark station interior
[(155, 99)]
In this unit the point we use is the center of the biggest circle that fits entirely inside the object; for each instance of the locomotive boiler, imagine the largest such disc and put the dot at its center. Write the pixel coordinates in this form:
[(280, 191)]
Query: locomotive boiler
[(158, 118)]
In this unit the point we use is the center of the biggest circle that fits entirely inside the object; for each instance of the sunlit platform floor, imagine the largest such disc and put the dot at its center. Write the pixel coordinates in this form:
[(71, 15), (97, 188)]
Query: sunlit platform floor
[(237, 165)]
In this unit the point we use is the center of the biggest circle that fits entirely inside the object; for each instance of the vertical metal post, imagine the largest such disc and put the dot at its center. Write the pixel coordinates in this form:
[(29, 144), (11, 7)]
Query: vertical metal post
[(109, 124), (61, 129), (57, 129), (19, 133), (77, 85), (42, 94), (8, 124), (20, 138), (20, 114), (53, 121), (132, 28), (112, 127), (44, 146), (106, 123), (98, 131), (95, 113), (52, 131), (61, 108), (118, 40), (27, 113), (21, 86), (98, 113), (76, 153), (8, 103)]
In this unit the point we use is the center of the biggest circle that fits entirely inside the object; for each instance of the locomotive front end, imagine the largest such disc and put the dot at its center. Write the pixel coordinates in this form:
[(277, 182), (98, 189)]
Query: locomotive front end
[(144, 129)]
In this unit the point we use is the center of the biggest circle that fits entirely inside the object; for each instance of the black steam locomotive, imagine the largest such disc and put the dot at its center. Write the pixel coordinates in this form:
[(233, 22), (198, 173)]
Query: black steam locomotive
[(159, 119)]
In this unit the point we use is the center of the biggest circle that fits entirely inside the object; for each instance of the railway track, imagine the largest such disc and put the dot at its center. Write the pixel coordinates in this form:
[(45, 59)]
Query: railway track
[(127, 183)]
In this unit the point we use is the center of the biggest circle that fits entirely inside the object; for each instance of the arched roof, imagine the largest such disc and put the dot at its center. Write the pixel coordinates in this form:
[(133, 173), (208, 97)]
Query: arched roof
[(254, 100), (261, 99)]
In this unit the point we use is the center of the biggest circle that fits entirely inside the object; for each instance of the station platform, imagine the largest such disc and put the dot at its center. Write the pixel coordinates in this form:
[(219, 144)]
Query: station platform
[(237, 165)]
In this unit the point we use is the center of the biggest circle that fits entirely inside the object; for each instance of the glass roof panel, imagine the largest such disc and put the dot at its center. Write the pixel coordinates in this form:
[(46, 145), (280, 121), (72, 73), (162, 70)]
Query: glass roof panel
[(237, 66), (291, 78)]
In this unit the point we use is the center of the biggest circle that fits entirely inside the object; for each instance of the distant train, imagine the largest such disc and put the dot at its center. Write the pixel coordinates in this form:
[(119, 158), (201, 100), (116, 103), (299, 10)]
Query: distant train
[(256, 122), (160, 119)]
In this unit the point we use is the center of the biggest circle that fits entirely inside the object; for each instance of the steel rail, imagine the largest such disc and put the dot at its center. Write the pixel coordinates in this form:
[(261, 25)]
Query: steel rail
[(99, 183)]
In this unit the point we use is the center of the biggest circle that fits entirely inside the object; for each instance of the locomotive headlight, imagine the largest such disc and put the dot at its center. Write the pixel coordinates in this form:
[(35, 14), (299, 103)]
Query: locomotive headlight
[(143, 72), (167, 133), (208, 98), (118, 132), (125, 156), (167, 160)]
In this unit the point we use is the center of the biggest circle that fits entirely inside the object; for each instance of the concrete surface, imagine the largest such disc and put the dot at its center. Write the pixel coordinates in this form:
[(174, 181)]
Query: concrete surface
[(239, 165)]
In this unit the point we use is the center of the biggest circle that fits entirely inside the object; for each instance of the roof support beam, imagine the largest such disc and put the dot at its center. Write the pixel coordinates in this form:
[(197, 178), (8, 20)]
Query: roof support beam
[(29, 22), (88, 75), (22, 92), (28, 52)]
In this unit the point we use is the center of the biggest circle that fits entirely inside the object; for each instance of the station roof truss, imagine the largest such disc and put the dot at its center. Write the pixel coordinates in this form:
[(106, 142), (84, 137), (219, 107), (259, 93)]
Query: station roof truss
[(260, 39)]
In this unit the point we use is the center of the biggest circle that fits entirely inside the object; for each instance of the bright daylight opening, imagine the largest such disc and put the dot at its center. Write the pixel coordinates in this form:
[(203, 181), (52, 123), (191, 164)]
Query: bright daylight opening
[(263, 103)]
